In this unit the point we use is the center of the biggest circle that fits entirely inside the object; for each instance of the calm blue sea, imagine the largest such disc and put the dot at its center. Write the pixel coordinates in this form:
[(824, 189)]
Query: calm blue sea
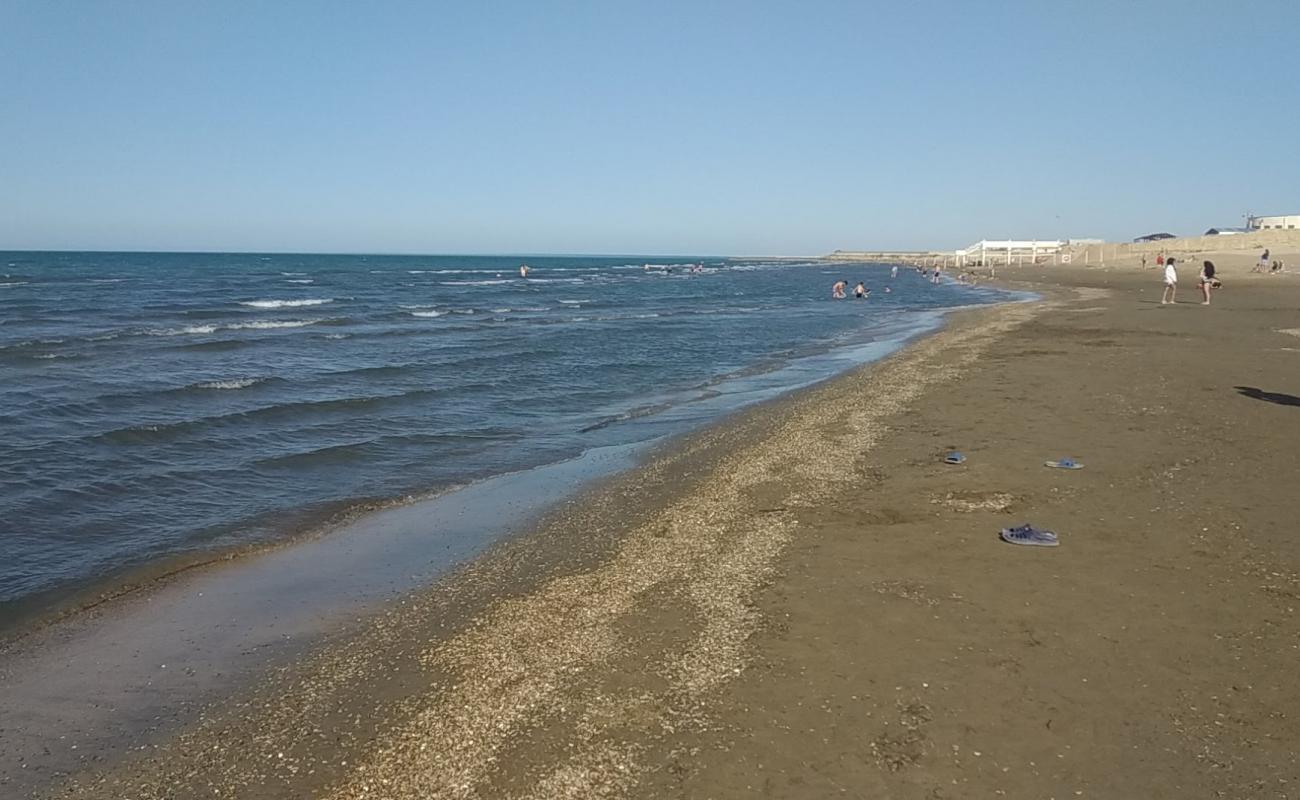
[(154, 404)]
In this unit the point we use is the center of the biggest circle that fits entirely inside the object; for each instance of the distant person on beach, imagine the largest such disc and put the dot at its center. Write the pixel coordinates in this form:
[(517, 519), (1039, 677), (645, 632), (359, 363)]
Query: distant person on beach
[(1171, 283), (935, 279), (893, 271), (1263, 261), (1144, 262), (837, 290), (1207, 281), (1160, 259), (860, 291)]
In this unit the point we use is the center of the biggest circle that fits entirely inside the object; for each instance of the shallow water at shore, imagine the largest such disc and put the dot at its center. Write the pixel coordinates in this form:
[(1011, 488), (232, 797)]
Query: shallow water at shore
[(165, 404)]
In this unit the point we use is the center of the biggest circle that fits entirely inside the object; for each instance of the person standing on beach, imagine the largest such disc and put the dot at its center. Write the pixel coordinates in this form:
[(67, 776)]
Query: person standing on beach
[(1160, 259), (860, 291), (1207, 280), (1171, 283)]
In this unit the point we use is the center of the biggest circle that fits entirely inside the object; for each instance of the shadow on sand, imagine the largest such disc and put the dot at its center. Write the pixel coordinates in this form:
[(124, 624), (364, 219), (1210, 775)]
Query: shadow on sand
[(1271, 397)]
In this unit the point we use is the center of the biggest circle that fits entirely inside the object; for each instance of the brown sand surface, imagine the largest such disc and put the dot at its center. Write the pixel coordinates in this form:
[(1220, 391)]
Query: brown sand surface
[(804, 602)]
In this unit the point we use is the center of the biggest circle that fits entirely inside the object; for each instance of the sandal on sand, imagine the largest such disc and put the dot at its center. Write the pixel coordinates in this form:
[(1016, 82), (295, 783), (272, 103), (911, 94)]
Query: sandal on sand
[(1064, 463), (954, 458), (1029, 535)]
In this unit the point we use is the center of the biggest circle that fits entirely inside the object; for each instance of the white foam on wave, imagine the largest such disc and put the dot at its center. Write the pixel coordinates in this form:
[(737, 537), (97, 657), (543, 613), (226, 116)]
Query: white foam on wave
[(428, 314), (319, 301), (267, 324), (237, 383), (300, 280), (553, 280), (338, 335), (191, 329), (258, 324), (14, 283), (477, 283), (574, 302), (293, 274)]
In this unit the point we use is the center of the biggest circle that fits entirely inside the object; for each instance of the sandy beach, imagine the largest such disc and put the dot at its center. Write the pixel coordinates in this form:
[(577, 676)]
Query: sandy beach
[(804, 601)]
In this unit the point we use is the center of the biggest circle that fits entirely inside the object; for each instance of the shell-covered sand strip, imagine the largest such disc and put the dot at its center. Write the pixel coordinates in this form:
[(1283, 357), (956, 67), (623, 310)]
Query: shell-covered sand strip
[(524, 660)]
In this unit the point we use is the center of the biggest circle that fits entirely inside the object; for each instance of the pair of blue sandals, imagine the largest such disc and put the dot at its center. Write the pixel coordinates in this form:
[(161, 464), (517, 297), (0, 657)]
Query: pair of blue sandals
[(954, 457), (1025, 534)]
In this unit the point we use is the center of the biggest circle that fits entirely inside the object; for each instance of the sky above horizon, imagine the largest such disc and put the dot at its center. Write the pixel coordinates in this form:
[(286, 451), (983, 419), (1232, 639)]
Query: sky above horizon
[(664, 127)]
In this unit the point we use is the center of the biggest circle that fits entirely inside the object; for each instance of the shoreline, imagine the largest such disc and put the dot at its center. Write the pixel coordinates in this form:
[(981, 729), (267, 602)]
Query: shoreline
[(108, 623), (577, 536), (745, 387)]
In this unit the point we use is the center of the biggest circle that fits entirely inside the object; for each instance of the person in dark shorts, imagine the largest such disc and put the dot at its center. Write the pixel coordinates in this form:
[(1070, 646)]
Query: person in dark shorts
[(1207, 281)]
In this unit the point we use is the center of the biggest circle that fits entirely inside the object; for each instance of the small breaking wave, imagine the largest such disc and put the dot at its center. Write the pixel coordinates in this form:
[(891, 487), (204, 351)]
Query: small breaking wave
[(300, 280), (255, 325), (428, 314), (319, 301), (236, 383), (493, 282), (191, 329), (268, 324)]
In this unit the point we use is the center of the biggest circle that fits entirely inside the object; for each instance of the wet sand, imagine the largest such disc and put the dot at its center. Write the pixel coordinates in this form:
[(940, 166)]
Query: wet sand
[(803, 602)]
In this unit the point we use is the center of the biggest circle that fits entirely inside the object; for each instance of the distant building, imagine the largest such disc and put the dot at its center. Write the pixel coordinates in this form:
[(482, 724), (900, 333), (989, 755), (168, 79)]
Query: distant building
[(1226, 231), (986, 251), (1273, 223)]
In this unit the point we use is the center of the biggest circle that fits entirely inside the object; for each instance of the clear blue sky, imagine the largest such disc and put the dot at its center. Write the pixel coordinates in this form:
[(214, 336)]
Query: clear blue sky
[(657, 127)]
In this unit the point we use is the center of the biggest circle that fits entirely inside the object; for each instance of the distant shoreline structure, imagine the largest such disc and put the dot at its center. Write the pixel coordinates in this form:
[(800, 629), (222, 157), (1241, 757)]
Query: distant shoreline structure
[(1077, 251)]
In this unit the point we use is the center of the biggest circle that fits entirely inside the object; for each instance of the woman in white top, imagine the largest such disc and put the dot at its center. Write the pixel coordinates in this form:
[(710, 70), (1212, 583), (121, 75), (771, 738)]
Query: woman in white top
[(1171, 283)]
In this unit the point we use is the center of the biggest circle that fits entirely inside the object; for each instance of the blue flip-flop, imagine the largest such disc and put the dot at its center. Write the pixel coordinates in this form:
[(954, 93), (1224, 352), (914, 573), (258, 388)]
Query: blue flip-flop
[(1029, 535), (1063, 463), (954, 458)]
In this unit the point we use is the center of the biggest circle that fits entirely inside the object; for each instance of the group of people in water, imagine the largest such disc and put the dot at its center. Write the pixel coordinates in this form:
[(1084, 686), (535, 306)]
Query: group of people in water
[(861, 292), (839, 289)]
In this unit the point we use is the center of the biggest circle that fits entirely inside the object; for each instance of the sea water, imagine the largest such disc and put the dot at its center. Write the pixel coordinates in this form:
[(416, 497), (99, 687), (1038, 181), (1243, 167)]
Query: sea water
[(160, 404)]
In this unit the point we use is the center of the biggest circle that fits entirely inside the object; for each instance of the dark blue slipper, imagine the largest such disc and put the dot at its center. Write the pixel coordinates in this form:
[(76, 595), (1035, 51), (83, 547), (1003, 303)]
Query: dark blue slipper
[(1029, 535)]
